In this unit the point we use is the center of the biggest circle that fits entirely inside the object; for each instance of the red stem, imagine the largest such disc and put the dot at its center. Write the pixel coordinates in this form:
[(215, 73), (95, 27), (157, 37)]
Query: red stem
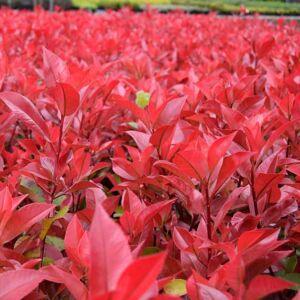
[(55, 186), (208, 217)]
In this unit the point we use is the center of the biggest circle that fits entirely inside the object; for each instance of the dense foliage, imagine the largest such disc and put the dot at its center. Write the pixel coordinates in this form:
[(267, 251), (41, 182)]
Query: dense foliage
[(251, 6), (268, 7), (148, 156)]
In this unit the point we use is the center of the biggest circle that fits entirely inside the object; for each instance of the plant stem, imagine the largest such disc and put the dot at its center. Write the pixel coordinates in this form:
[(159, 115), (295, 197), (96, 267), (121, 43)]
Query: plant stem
[(253, 193), (55, 175), (208, 218), (9, 145)]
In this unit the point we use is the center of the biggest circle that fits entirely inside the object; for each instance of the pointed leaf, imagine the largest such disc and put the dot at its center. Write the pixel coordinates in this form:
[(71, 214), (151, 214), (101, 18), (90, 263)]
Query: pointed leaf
[(110, 253), (139, 276), (25, 111), (66, 97), (171, 111), (17, 284), (264, 285), (55, 69), (24, 218), (192, 163), (72, 283), (230, 165), (218, 149), (206, 292)]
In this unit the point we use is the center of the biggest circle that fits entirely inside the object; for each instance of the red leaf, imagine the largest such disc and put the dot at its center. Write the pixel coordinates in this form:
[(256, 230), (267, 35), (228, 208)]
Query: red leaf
[(141, 114), (230, 165), (110, 254), (66, 97), (218, 149), (265, 182), (281, 209), (231, 200), (23, 219), (172, 168), (55, 69), (235, 273), (264, 44), (73, 284), (139, 276), (192, 163), (17, 284), (149, 212), (25, 111), (124, 168), (171, 111), (263, 285), (274, 136), (206, 292), (182, 238), (250, 238), (74, 242), (140, 138)]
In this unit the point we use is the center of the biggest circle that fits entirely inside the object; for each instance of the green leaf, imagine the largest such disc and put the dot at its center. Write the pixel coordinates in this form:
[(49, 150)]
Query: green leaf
[(290, 264), (119, 212), (47, 261), (117, 178), (92, 4), (151, 250), (292, 277), (34, 253), (133, 125), (176, 287), (142, 99), (59, 200), (34, 192), (55, 241), (21, 239), (47, 223)]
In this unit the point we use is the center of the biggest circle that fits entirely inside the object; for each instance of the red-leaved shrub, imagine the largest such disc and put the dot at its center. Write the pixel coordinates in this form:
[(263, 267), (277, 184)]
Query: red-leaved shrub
[(148, 156)]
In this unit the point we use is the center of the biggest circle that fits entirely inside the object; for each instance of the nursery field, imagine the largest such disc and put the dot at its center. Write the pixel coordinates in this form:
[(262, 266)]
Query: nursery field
[(148, 156)]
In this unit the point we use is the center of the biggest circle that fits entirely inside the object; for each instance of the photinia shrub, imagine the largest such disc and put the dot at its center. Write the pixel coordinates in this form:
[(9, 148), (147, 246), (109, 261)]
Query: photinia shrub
[(148, 156)]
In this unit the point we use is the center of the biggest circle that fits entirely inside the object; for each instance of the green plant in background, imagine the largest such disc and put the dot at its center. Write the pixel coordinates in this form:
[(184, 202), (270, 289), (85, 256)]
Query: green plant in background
[(277, 7), (261, 6), (92, 4)]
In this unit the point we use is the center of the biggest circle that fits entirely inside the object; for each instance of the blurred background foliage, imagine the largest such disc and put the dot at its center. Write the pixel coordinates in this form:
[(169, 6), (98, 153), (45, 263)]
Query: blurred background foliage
[(276, 7)]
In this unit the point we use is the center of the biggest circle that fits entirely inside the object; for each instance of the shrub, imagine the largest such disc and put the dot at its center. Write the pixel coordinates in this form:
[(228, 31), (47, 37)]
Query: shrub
[(148, 156)]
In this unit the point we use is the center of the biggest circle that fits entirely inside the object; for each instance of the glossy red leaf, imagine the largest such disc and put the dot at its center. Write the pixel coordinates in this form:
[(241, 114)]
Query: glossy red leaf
[(25, 111), (171, 111), (192, 163), (140, 138), (23, 219), (182, 238), (218, 149), (205, 292), (149, 212), (17, 284), (230, 165), (72, 283), (139, 276), (264, 285), (55, 69), (76, 244), (66, 97), (109, 252)]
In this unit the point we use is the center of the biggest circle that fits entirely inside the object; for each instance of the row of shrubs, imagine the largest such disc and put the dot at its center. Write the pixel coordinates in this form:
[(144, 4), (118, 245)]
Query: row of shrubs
[(277, 7)]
